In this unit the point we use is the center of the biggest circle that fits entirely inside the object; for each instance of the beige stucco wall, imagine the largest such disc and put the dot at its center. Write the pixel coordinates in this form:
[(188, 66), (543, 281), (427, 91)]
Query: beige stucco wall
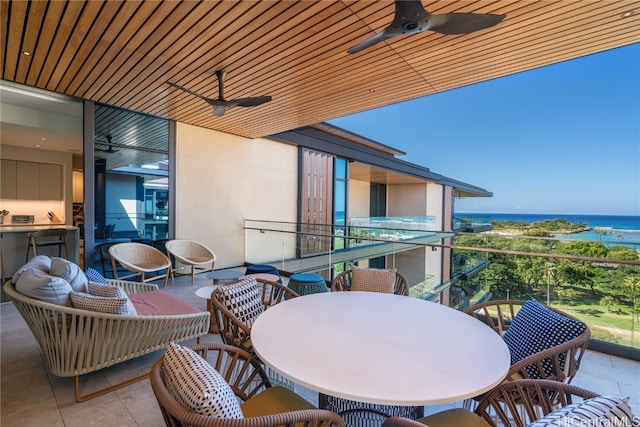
[(223, 180), (406, 200), (359, 195), (417, 200)]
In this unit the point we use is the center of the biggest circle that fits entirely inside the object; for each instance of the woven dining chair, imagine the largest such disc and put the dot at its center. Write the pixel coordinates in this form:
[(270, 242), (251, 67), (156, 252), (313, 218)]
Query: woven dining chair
[(344, 281), (262, 404), (559, 362), (516, 404), (237, 305)]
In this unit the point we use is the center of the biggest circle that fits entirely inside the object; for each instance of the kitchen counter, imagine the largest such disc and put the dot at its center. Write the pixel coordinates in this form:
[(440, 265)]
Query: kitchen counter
[(27, 228), (13, 245)]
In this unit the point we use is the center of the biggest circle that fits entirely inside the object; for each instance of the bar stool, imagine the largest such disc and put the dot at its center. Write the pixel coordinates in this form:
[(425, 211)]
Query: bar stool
[(35, 243), (305, 283)]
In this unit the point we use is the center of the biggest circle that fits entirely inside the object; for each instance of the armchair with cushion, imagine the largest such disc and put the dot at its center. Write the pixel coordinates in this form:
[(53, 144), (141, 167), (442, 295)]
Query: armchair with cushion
[(544, 342), (220, 385), (237, 305), (371, 279), (191, 256), (531, 403)]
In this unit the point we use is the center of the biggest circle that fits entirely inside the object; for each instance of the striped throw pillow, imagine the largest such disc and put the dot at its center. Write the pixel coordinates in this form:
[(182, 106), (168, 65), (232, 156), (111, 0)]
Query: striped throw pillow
[(599, 411)]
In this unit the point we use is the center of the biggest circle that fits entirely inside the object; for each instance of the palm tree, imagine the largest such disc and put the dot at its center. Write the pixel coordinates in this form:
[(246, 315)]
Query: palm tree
[(550, 273)]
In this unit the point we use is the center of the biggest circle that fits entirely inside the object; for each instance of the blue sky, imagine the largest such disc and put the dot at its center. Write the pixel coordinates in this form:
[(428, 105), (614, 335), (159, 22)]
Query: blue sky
[(562, 139)]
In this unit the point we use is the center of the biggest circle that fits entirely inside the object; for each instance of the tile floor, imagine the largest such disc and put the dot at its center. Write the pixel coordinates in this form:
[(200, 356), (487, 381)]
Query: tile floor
[(29, 396)]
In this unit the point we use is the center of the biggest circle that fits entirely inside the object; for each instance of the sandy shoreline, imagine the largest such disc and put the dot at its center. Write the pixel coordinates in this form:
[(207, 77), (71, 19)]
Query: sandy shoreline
[(514, 232)]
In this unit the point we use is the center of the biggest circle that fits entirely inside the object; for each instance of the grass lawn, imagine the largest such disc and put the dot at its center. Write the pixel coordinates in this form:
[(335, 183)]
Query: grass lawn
[(612, 324)]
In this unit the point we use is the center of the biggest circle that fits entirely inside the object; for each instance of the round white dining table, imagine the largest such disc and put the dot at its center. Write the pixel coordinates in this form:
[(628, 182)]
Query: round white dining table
[(380, 348)]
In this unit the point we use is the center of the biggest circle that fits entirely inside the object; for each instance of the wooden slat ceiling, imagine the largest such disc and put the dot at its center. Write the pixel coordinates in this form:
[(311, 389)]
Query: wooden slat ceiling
[(122, 53)]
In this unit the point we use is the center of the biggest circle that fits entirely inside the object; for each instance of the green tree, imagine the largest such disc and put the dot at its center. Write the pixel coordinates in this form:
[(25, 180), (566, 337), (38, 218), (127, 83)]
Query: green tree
[(502, 279), (607, 301), (583, 248), (567, 294), (622, 253), (530, 270), (600, 232), (576, 273), (632, 284), (537, 232)]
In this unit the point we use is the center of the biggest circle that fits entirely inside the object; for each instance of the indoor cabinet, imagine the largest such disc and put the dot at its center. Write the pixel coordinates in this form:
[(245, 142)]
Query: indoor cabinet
[(8, 189), (31, 180)]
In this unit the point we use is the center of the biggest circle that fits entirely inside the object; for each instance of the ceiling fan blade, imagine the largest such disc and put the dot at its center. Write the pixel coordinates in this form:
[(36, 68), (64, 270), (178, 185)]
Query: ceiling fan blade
[(191, 92), (382, 36), (411, 17), (406, 20), (251, 102), (462, 23)]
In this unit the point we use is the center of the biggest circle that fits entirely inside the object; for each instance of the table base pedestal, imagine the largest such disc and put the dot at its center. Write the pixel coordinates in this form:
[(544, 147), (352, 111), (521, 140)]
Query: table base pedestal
[(361, 414)]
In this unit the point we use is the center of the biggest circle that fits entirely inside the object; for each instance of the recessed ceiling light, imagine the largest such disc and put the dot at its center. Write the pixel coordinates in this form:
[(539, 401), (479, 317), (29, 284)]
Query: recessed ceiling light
[(627, 14), (37, 145), (372, 90), (43, 138), (25, 53)]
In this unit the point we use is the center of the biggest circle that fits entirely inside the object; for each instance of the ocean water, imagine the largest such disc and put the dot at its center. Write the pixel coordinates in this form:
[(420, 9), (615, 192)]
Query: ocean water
[(622, 228)]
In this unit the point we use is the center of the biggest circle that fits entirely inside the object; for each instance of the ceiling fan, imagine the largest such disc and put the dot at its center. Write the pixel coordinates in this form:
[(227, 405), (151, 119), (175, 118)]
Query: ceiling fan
[(411, 17), (109, 145), (221, 105)]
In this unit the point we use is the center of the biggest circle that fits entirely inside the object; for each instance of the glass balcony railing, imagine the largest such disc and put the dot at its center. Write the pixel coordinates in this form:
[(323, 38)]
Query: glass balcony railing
[(596, 281), (471, 222)]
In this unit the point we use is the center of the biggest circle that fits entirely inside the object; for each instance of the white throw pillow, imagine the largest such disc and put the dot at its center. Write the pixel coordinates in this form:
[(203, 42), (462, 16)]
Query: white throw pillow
[(40, 262), (70, 272), (40, 285), (196, 384)]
